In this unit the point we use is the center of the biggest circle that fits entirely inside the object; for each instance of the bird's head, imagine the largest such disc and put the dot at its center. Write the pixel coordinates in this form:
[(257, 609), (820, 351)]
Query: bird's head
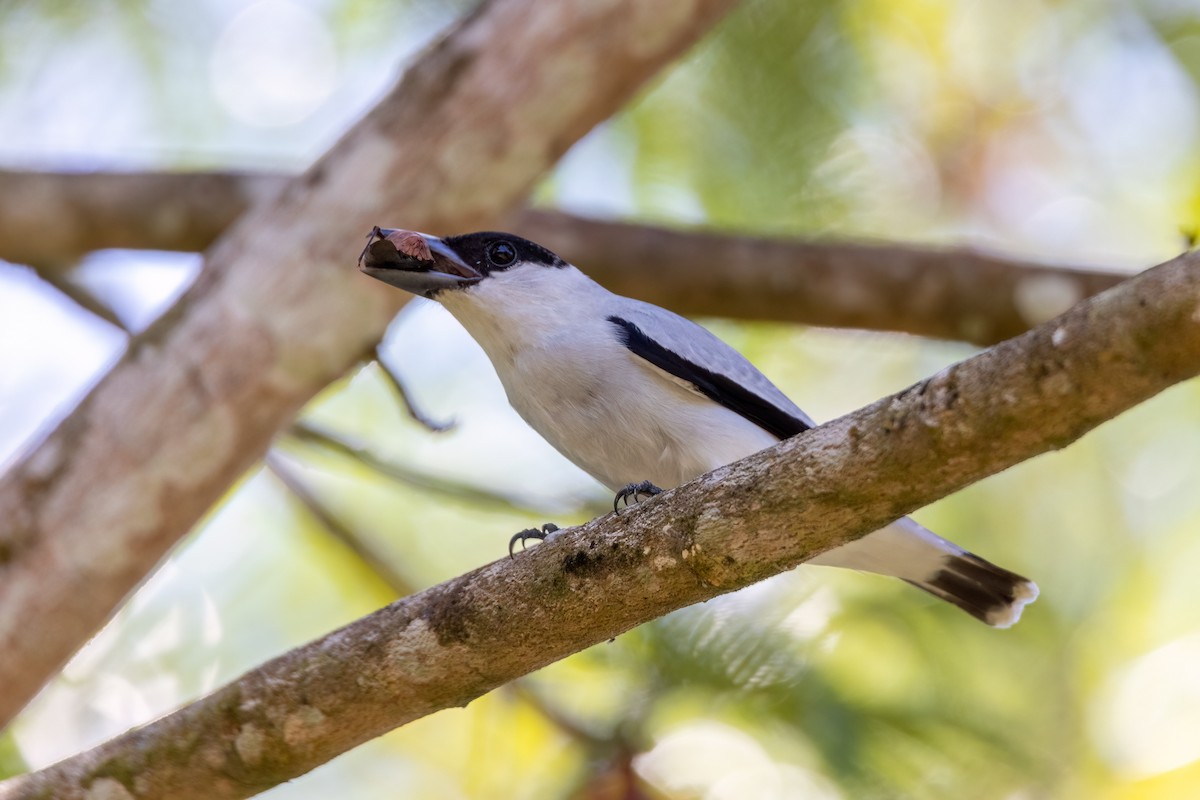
[(427, 265)]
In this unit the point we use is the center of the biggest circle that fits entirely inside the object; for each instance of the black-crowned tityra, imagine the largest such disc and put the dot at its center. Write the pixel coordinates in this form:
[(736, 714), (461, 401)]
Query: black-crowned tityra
[(641, 398)]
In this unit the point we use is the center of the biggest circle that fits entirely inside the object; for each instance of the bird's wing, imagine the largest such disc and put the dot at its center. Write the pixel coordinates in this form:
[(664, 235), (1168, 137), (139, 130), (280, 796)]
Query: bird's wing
[(691, 354)]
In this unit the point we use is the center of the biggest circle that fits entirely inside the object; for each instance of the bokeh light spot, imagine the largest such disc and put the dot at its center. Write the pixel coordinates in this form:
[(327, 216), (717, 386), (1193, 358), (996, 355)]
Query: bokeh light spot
[(1147, 721), (274, 64)]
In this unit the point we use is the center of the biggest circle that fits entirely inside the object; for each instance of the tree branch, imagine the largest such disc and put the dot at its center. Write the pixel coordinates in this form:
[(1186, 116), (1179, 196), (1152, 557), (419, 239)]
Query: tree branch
[(954, 293), (307, 433), (448, 645), (81, 296), (377, 563), (279, 311), (53, 219), (957, 293), (401, 392), (336, 528)]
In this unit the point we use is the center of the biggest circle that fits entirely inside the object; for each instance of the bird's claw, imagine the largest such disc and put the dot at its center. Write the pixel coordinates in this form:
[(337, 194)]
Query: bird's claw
[(636, 491), (530, 533)]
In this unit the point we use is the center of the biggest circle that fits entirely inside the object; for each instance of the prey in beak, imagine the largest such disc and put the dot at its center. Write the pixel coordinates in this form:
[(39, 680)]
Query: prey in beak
[(415, 262)]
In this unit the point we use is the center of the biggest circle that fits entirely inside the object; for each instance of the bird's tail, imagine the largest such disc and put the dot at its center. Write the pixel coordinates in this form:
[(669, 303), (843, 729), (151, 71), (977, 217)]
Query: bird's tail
[(912, 553)]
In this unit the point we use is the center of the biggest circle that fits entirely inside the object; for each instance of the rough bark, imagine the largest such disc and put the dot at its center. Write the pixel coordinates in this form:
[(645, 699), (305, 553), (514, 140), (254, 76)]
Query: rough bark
[(450, 644), (280, 311), (954, 293)]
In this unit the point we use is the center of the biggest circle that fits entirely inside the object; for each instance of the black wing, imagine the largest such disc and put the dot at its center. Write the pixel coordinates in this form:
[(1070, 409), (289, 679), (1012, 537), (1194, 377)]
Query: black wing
[(716, 387)]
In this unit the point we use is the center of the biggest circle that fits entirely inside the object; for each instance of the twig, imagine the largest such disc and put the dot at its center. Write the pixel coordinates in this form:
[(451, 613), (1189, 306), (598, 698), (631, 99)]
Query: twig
[(81, 296), (310, 433), (406, 398), (339, 530)]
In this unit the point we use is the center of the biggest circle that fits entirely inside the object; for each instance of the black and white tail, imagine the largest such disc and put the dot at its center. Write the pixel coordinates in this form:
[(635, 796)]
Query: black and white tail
[(912, 553)]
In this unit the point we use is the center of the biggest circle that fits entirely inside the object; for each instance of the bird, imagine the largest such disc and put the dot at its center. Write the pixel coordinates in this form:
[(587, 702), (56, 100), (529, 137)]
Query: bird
[(643, 399)]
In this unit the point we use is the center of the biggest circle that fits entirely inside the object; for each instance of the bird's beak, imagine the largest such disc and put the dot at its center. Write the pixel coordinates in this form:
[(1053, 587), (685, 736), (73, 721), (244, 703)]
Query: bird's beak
[(415, 262)]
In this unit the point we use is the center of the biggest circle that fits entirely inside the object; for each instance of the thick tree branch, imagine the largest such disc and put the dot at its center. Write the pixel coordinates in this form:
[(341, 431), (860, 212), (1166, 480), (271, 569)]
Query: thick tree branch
[(53, 219), (279, 310), (946, 293), (955, 293), (450, 644)]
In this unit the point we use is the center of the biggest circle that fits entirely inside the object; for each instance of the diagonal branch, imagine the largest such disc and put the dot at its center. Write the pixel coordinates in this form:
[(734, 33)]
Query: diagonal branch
[(401, 392), (735, 526), (335, 527), (952, 293), (81, 296), (311, 434), (279, 311), (378, 563)]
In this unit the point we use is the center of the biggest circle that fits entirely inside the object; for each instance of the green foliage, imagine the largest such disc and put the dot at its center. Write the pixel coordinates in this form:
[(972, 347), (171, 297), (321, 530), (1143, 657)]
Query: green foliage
[(745, 135), (11, 762)]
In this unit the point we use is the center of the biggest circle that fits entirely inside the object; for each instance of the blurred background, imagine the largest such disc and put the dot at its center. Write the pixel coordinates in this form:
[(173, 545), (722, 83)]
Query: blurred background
[(1064, 130)]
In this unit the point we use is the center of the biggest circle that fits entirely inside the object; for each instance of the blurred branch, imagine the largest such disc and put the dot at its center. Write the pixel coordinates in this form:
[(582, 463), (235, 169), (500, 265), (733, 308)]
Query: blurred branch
[(946, 293), (279, 311), (81, 296), (732, 527), (609, 770), (406, 400), (336, 528), (952, 293), (52, 220), (308, 433)]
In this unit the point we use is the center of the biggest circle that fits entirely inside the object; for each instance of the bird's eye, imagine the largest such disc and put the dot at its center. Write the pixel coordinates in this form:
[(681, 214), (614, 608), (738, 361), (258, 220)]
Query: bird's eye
[(501, 254)]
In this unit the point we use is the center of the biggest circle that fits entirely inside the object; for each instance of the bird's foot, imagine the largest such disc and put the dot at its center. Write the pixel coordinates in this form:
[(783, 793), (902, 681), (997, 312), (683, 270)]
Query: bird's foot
[(638, 491), (531, 533)]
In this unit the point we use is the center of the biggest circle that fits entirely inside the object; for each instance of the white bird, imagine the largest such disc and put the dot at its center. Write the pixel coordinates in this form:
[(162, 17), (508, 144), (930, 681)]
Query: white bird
[(643, 399)]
